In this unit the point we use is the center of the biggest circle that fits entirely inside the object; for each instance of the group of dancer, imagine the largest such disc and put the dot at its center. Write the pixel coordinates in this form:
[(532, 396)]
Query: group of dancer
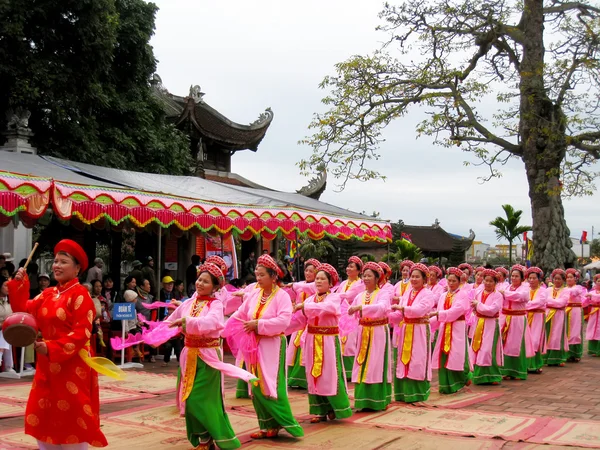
[(385, 338)]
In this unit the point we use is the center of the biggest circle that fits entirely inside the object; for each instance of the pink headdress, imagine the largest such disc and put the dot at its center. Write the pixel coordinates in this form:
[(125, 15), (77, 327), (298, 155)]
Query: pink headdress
[(374, 267), (311, 262), (533, 269), (490, 273), (467, 266), (406, 263), (520, 268), (387, 270), (502, 270), (217, 261), (356, 260), (269, 263), (214, 270), (560, 272), (435, 269), (574, 272), (454, 271), (421, 268), (328, 268)]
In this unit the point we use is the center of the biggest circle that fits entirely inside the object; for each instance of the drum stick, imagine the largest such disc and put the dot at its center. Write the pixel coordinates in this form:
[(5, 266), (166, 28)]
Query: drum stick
[(35, 246)]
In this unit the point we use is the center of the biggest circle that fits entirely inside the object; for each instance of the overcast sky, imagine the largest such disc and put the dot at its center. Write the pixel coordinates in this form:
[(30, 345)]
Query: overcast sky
[(250, 55)]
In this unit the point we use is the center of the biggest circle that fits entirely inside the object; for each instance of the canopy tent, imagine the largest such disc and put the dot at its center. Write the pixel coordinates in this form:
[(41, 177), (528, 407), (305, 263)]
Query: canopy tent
[(595, 265), (30, 184)]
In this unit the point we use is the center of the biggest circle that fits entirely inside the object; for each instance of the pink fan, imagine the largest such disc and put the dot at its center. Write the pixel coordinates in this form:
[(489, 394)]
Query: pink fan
[(347, 324), (160, 334), (156, 305), (150, 323), (131, 340), (240, 341)]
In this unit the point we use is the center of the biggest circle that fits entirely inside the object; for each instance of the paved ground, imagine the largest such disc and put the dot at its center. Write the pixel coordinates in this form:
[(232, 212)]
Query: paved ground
[(571, 392)]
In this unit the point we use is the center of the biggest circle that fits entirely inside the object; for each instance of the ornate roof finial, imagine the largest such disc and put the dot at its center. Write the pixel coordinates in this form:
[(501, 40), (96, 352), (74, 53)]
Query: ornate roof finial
[(317, 185), (436, 224), (196, 93)]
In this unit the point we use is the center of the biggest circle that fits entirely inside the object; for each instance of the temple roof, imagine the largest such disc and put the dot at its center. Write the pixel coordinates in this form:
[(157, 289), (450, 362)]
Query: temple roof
[(196, 117), (434, 239)]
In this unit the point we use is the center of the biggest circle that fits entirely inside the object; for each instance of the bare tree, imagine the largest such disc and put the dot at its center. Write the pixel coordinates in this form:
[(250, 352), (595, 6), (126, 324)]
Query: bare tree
[(537, 63)]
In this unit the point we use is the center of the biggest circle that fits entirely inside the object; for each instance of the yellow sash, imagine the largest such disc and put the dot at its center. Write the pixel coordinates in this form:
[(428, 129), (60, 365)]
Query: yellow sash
[(478, 336), (317, 368), (409, 330), (191, 362), (366, 337)]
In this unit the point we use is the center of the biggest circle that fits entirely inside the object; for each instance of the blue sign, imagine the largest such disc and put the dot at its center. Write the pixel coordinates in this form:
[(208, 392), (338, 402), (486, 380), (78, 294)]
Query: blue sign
[(124, 311)]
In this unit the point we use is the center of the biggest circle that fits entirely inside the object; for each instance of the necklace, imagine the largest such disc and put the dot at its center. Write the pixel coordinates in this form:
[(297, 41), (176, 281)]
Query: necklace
[(59, 292), (265, 298), (319, 297)]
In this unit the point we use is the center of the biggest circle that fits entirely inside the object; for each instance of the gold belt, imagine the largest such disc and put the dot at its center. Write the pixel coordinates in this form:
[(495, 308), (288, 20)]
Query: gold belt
[(323, 330), (373, 322), (200, 342)]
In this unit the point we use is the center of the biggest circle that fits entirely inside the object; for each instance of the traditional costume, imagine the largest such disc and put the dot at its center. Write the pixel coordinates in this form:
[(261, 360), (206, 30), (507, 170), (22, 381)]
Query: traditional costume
[(296, 376), (413, 361), (64, 402), (557, 347), (516, 337), (593, 319), (327, 389), (348, 290), (200, 387), (486, 347), (450, 355), (536, 319), (273, 314), (372, 371), (574, 312)]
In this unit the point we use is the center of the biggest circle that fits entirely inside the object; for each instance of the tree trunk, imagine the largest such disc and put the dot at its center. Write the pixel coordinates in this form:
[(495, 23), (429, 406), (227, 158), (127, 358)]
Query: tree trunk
[(509, 254), (542, 128)]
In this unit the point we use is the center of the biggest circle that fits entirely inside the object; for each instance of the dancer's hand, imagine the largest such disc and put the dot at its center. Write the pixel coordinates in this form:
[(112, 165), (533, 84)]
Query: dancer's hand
[(353, 309), (251, 325), (176, 323), (40, 347)]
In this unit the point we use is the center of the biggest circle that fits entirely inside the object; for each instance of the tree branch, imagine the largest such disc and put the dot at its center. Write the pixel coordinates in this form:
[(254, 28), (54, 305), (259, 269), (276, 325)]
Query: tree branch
[(571, 6)]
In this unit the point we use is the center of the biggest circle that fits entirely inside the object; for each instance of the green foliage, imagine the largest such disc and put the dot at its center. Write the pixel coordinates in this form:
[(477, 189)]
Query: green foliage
[(83, 69), (457, 255), (508, 228), (404, 250), (323, 249), (595, 248), (454, 57)]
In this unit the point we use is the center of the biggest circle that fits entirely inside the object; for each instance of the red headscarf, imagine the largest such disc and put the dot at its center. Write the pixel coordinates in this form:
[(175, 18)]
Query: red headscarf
[(455, 271), (437, 270), (214, 270), (490, 273), (467, 266), (218, 261), (573, 272), (374, 267), (534, 269), (356, 260), (73, 249), (312, 262)]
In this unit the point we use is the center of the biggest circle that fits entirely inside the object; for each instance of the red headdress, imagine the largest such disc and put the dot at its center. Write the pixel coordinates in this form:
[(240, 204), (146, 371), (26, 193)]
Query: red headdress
[(560, 272), (454, 271), (387, 270), (502, 270), (479, 269), (421, 268), (74, 249), (328, 268), (374, 267), (269, 263), (490, 273), (406, 262), (438, 272), (467, 266), (214, 270), (356, 260), (311, 262), (520, 268), (534, 269), (218, 261), (573, 272)]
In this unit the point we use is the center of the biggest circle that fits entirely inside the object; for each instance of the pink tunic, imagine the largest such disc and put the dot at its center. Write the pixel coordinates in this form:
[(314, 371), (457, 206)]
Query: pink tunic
[(574, 312), (377, 310), (325, 313), (434, 324), (536, 318), (400, 289), (348, 294), (419, 366), (208, 324), (451, 320), (515, 326), (488, 312), (304, 290), (593, 326), (273, 320), (556, 301)]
